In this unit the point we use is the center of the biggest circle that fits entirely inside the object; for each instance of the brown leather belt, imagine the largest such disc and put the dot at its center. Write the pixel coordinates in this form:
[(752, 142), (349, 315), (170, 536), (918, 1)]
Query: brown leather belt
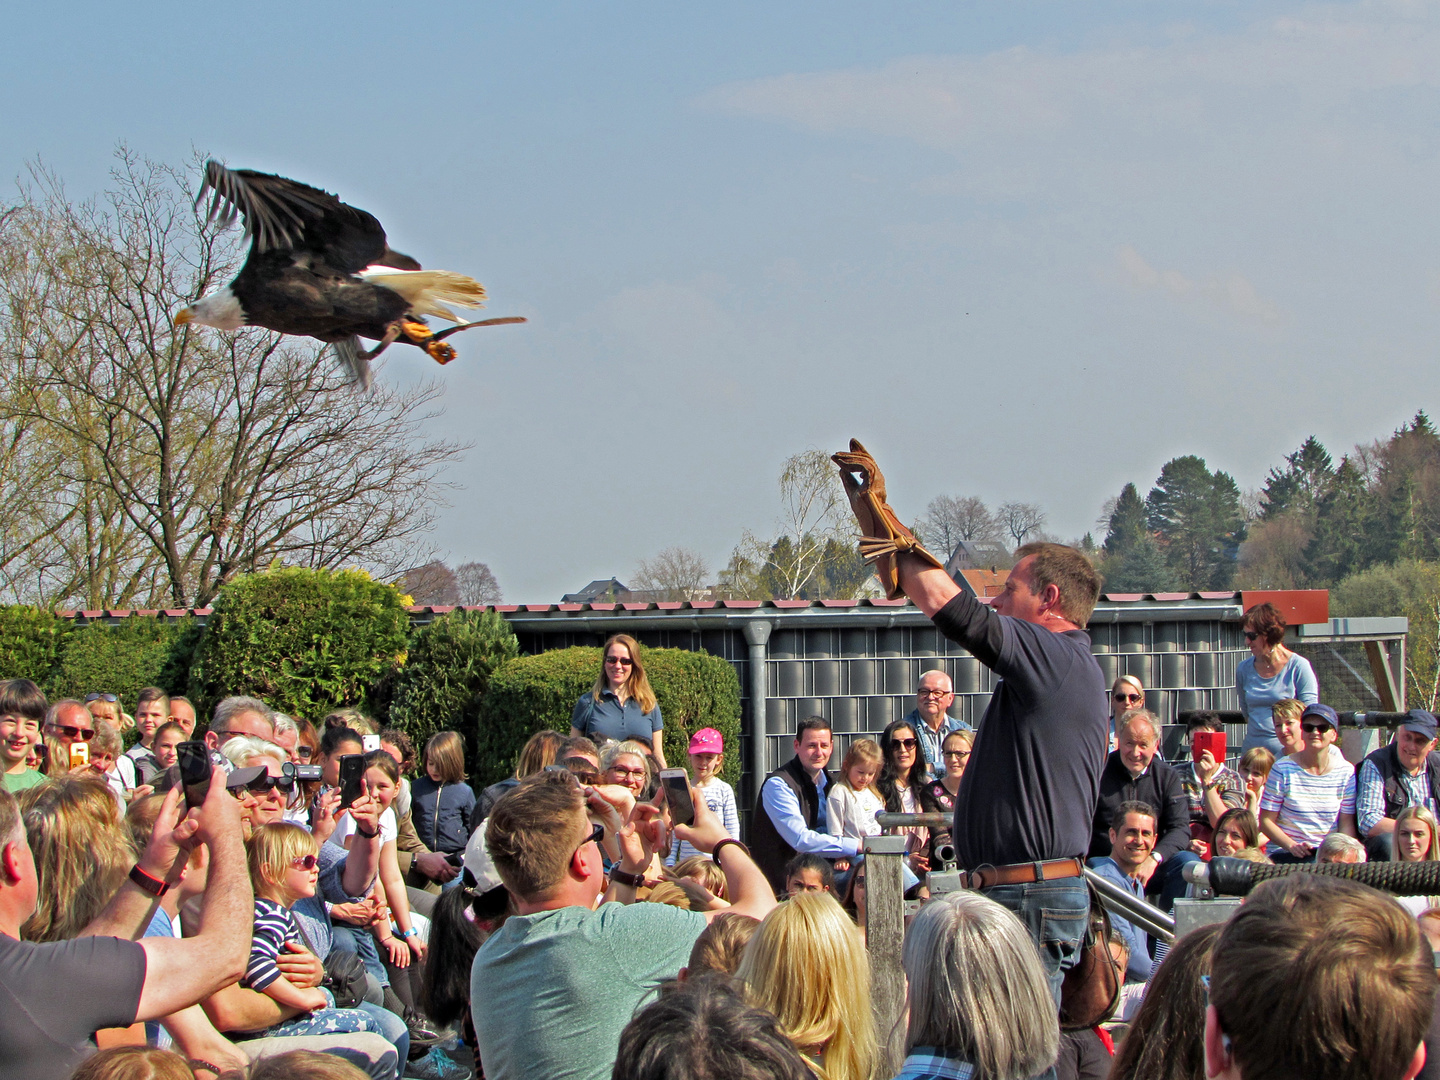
[(1025, 873)]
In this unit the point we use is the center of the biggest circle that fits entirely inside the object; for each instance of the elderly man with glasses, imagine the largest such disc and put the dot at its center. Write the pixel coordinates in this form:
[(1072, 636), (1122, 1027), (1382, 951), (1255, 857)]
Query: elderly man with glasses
[(931, 720), (70, 722)]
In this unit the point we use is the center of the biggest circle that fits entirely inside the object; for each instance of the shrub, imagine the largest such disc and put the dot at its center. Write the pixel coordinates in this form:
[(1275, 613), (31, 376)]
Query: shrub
[(122, 659), (304, 641), (446, 673), (30, 643), (531, 693)]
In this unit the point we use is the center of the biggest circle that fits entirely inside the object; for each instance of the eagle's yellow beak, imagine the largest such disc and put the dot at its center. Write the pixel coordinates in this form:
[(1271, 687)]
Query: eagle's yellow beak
[(183, 316)]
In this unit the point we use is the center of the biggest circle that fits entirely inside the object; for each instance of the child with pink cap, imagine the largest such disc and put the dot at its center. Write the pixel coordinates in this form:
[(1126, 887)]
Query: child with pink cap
[(707, 749)]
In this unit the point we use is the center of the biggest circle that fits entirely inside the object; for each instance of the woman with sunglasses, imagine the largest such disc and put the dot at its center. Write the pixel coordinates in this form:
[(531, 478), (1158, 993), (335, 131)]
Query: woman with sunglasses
[(1126, 694), (621, 704), (905, 786), (107, 707), (1271, 673), (273, 788), (1308, 794)]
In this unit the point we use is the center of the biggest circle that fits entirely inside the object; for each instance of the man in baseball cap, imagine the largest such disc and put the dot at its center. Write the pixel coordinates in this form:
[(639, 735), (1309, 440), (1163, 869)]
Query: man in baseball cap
[(1406, 772)]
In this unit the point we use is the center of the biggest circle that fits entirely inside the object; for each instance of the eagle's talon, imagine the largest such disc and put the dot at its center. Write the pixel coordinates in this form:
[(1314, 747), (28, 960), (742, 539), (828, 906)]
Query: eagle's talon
[(440, 352)]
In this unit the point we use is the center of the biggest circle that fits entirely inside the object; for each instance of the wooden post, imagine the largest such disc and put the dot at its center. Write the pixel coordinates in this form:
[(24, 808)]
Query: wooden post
[(884, 939), (1392, 697)]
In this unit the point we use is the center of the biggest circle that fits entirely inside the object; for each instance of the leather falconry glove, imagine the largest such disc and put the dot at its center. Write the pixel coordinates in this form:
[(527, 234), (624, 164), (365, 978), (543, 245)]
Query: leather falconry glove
[(882, 536)]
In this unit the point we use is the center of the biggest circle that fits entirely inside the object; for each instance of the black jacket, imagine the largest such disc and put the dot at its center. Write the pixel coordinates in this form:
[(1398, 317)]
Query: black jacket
[(1159, 786), (767, 847), (1387, 763)]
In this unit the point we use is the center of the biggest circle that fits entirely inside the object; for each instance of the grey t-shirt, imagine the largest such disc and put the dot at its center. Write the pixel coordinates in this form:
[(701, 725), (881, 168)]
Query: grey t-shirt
[(46, 1027), (550, 993)]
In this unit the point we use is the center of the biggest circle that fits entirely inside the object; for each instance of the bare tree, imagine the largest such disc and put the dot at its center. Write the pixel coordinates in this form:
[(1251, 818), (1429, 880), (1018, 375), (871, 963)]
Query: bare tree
[(176, 460), (951, 518), (433, 583), (814, 512), (675, 574), (477, 584), (1020, 519)]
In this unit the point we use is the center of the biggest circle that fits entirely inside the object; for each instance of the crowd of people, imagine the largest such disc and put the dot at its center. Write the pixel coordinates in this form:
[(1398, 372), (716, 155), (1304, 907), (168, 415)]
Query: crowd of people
[(328, 900)]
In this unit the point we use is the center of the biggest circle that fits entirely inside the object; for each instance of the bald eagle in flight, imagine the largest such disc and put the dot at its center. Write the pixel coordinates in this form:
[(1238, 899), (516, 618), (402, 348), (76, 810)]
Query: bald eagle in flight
[(319, 268)]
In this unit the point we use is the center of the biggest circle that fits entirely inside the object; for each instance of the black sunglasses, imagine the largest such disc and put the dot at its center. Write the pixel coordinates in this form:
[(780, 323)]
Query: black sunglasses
[(74, 732), (597, 833), (1311, 729), (1251, 635), (905, 744), (1129, 697), (265, 782), (623, 661)]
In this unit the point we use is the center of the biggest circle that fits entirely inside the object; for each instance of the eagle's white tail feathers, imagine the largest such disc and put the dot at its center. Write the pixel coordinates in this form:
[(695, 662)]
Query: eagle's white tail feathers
[(428, 291)]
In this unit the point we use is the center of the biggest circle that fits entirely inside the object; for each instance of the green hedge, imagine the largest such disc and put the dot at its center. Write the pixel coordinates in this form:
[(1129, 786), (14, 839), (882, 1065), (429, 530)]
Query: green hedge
[(30, 643), (304, 641), (123, 659), (446, 674), (531, 693)]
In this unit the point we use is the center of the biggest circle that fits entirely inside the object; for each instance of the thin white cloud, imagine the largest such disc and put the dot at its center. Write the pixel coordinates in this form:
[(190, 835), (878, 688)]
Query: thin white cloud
[(1326, 57), (1232, 293)]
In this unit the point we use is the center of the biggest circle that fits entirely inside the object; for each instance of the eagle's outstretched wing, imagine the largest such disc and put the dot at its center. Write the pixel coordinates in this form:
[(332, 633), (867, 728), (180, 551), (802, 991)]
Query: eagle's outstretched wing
[(283, 214)]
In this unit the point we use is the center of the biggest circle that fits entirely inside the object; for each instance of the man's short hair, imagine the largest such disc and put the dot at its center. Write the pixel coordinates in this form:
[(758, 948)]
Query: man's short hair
[(721, 944), (1132, 806), (939, 672), (52, 714), (1337, 845), (811, 723), (1344, 964), (285, 725), (534, 830), (22, 698), (231, 707), (1070, 572), (12, 830), (1140, 716), (703, 1028)]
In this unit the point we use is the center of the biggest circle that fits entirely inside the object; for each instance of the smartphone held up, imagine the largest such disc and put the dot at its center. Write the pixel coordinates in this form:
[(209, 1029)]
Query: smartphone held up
[(676, 785)]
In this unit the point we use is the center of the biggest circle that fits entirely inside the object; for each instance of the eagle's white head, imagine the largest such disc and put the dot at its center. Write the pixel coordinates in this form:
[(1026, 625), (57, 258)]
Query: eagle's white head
[(220, 310)]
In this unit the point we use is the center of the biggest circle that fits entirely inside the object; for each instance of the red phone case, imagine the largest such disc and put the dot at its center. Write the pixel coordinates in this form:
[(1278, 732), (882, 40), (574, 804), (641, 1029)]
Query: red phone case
[(1214, 741)]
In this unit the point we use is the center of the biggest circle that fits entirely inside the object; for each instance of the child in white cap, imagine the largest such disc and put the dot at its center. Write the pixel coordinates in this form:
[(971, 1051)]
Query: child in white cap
[(707, 749)]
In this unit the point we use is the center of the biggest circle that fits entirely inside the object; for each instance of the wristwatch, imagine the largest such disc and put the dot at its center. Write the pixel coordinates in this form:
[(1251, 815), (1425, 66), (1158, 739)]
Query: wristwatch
[(620, 877)]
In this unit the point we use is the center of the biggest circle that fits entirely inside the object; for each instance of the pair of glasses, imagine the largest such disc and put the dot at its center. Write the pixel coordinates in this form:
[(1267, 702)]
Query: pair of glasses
[(265, 782), (73, 732), (597, 833), (1311, 729), (957, 753), (621, 771), (620, 661), (305, 862), (111, 698), (1251, 635), (935, 693), (304, 751), (904, 744), (1129, 698)]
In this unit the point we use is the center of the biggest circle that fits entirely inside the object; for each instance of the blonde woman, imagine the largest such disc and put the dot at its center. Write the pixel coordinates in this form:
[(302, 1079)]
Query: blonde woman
[(979, 999), (1416, 831), (808, 966), (82, 853), (1126, 694), (621, 704)]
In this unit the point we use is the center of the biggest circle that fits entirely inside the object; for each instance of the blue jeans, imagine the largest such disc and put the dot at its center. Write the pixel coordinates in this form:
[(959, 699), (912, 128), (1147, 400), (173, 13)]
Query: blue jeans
[(1055, 913), (1172, 878), (361, 942), (392, 1027)]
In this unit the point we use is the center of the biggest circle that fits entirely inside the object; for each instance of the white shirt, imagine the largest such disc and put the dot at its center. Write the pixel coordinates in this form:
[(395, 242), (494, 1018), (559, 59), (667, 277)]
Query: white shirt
[(345, 827)]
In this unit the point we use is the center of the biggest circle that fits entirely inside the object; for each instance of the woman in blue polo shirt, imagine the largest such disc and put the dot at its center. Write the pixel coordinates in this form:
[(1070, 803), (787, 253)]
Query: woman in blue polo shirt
[(621, 705)]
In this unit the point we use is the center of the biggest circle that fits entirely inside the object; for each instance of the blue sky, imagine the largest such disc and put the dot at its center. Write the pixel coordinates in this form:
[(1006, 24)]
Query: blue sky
[(1022, 251)]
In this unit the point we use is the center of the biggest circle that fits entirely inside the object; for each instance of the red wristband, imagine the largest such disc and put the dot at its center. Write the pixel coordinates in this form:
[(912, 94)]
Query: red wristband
[(152, 885)]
